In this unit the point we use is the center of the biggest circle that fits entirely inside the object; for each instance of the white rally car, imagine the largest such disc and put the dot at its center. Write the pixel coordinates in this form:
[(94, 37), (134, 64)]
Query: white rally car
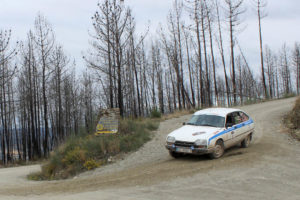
[(211, 131)]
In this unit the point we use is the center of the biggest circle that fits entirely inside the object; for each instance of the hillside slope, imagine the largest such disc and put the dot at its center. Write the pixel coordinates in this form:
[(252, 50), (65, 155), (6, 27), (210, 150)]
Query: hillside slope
[(268, 169)]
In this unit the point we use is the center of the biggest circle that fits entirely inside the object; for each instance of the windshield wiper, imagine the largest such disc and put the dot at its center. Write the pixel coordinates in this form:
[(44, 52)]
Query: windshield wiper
[(206, 125), (191, 124)]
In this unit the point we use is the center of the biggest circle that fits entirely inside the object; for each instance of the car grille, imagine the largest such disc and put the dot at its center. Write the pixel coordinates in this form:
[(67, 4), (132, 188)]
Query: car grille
[(184, 144)]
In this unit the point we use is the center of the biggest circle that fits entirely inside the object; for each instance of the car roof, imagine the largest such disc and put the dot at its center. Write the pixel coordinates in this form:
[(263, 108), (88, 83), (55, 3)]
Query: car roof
[(217, 111)]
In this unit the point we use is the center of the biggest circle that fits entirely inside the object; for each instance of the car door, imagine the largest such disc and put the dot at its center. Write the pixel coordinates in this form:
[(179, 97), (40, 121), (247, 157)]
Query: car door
[(241, 127), (247, 125), (234, 127), (230, 129)]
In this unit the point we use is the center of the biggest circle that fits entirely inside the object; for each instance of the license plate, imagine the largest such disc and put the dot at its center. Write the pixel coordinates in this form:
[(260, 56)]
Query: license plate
[(183, 150)]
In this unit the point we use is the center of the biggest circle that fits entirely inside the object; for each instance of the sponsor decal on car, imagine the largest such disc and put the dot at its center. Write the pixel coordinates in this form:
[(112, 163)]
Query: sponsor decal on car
[(199, 133)]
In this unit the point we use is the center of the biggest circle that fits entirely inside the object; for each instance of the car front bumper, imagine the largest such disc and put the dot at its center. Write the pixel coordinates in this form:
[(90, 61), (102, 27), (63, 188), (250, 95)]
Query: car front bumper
[(189, 150)]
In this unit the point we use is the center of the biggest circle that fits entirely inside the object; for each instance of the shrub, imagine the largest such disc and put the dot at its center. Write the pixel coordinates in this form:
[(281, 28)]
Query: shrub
[(295, 115), (289, 95), (90, 164), (75, 156), (94, 147), (150, 125), (86, 152), (155, 114), (127, 126)]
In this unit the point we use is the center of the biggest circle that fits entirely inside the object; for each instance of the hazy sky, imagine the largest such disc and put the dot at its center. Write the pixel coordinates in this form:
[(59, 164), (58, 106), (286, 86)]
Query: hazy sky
[(71, 20)]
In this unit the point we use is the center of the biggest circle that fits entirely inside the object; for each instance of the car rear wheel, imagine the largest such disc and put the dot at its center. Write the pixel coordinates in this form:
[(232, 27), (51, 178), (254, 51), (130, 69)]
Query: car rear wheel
[(219, 150), (246, 142)]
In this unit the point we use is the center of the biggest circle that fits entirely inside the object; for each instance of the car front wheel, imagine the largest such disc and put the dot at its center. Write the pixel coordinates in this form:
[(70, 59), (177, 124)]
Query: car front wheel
[(219, 150)]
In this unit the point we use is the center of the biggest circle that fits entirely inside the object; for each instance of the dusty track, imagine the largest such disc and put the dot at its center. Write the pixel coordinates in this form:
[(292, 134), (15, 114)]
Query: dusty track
[(268, 169)]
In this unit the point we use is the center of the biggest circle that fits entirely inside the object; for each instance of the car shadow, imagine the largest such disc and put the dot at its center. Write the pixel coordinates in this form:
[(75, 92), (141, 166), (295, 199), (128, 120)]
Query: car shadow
[(232, 151)]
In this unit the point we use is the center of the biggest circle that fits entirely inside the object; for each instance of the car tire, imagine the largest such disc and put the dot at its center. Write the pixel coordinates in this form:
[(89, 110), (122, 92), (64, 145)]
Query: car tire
[(218, 151), (175, 154), (246, 142)]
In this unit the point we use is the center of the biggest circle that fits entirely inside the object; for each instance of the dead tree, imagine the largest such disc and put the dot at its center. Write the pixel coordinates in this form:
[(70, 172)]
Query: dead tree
[(270, 65), (187, 38), (109, 43), (203, 18), (234, 10), (285, 71), (44, 40), (208, 10), (260, 4), (296, 61), (194, 8), (59, 62), (178, 12), (7, 72), (221, 49)]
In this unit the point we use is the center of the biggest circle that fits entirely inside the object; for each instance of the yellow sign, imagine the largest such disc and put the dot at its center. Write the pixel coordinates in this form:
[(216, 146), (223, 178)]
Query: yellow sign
[(108, 121)]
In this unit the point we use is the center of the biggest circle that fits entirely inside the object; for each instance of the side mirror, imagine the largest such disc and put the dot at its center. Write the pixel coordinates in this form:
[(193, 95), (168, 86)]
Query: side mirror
[(183, 123)]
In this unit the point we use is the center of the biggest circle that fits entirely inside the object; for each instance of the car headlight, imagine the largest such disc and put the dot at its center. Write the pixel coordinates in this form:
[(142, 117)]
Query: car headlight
[(170, 139), (200, 142)]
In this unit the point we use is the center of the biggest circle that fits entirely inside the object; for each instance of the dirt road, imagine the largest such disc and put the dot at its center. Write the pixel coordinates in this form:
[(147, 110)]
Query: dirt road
[(269, 169)]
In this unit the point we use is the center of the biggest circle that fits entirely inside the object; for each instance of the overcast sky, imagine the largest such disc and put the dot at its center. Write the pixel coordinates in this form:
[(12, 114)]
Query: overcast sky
[(71, 20)]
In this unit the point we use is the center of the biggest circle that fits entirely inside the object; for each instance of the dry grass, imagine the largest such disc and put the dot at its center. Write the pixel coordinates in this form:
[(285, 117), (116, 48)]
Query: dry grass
[(292, 120), (87, 152), (295, 115)]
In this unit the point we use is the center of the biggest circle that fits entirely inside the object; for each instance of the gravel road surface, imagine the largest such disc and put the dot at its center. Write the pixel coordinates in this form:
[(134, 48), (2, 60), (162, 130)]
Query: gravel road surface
[(269, 169)]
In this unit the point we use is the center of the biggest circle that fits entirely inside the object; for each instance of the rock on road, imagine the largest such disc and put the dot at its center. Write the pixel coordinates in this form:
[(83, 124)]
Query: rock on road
[(269, 169)]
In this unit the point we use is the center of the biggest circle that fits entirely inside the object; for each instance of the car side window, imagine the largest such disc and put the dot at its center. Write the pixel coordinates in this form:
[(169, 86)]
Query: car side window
[(244, 117), (234, 118), (229, 120), (237, 118)]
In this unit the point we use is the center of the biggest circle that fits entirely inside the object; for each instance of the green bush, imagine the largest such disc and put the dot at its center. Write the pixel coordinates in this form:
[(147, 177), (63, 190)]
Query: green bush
[(150, 125), (75, 156), (155, 114), (87, 152), (289, 95), (127, 126), (90, 164)]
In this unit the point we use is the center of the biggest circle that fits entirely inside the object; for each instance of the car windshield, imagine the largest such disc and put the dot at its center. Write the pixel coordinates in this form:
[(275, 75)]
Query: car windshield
[(207, 120)]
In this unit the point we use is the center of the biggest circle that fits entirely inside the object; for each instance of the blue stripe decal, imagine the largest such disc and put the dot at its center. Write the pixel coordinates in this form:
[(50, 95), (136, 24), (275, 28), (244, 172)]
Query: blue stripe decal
[(231, 129)]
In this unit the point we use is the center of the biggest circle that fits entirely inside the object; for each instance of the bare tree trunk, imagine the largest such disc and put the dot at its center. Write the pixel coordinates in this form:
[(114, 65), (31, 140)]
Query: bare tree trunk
[(208, 101), (232, 62), (45, 41), (189, 67), (199, 53), (240, 80), (212, 51), (222, 53), (259, 6), (234, 10), (178, 9), (296, 60), (270, 70)]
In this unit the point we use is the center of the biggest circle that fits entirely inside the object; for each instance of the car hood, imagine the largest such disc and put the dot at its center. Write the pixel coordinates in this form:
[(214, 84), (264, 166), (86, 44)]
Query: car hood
[(190, 133)]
